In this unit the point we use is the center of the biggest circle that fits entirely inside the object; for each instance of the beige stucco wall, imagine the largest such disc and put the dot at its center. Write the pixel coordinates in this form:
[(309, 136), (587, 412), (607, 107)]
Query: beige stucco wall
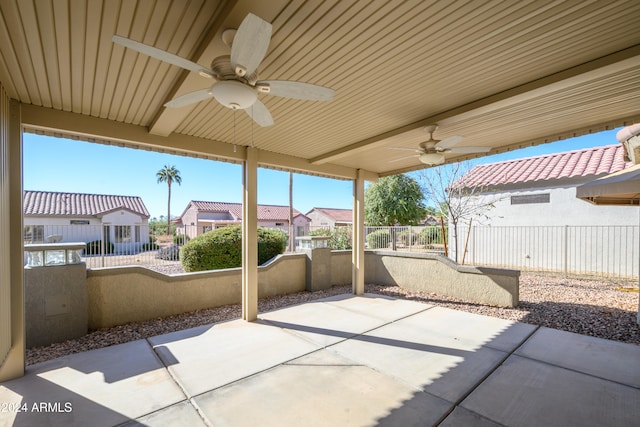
[(123, 294), (432, 273), (440, 275)]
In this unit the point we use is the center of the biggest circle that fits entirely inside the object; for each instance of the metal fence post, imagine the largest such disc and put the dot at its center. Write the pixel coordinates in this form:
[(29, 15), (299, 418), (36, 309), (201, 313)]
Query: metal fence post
[(566, 250)]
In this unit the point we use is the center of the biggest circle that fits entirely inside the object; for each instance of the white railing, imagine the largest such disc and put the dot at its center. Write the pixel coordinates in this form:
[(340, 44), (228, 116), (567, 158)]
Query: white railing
[(610, 251), (109, 245)]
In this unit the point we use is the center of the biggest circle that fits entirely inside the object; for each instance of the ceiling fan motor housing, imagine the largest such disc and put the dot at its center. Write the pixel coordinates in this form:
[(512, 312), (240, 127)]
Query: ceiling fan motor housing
[(233, 94)]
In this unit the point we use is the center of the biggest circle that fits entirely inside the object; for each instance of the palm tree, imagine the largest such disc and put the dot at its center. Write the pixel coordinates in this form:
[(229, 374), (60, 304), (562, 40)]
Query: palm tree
[(169, 175)]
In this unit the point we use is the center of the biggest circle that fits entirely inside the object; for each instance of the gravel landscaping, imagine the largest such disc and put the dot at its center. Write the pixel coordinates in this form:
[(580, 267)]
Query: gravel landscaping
[(595, 307)]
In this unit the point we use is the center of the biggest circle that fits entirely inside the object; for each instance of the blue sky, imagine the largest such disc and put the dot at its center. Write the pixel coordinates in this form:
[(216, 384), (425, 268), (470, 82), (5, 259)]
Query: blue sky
[(56, 164)]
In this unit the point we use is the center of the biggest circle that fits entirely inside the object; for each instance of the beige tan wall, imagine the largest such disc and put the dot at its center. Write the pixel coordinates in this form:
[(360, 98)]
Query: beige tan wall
[(440, 275), (432, 273), (126, 294)]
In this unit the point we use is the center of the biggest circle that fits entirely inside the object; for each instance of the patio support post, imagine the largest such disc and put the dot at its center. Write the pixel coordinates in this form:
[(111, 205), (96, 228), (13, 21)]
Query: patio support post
[(357, 255), (250, 236), (12, 359)]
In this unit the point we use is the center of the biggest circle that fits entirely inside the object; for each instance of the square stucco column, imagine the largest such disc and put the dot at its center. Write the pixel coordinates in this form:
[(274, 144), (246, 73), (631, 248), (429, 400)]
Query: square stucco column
[(357, 260), (250, 236), (12, 355)]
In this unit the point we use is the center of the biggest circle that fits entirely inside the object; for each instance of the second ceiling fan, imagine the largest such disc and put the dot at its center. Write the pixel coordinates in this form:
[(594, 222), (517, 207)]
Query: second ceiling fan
[(236, 80), (432, 152)]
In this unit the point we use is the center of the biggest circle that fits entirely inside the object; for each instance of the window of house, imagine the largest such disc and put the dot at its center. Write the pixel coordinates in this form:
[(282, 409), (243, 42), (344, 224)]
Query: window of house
[(137, 233), (34, 233), (279, 224), (122, 233), (300, 230), (527, 199)]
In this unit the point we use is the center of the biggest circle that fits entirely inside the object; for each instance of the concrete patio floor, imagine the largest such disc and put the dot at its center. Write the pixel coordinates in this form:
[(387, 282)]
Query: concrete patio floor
[(345, 360)]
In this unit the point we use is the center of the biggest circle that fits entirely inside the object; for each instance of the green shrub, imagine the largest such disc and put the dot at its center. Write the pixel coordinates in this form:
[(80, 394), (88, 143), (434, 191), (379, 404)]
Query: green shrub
[(320, 232), (403, 236), (180, 239), (95, 247), (379, 239), (222, 248), (430, 236), (150, 246), (271, 243), (339, 238)]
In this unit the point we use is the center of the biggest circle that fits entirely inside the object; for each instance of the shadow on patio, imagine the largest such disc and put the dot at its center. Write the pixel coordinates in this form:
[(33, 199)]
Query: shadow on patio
[(344, 360)]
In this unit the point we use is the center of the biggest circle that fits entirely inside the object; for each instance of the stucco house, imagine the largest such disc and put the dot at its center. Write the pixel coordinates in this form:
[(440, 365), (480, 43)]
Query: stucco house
[(541, 190), (76, 217), (330, 217), (200, 216), (537, 222)]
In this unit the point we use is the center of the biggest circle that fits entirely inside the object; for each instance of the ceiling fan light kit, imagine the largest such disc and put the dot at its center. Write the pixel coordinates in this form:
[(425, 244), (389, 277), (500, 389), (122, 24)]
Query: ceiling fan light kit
[(233, 94), (237, 84), (432, 158)]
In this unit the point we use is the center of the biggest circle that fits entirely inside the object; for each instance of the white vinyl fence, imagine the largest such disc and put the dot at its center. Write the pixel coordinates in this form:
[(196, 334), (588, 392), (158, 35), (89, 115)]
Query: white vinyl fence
[(610, 251)]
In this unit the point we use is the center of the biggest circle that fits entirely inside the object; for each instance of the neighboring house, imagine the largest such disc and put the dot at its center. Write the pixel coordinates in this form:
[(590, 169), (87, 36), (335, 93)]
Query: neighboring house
[(541, 190), (199, 217), (329, 217), (73, 217), (430, 221), (536, 221)]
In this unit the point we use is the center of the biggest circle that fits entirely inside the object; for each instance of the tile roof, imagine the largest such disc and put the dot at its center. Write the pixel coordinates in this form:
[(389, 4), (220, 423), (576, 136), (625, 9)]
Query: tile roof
[(340, 215), (265, 212), (45, 203), (590, 162)]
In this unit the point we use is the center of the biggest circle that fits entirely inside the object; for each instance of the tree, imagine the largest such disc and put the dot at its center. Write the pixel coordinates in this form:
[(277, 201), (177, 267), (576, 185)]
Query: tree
[(444, 186), (169, 174), (394, 200)]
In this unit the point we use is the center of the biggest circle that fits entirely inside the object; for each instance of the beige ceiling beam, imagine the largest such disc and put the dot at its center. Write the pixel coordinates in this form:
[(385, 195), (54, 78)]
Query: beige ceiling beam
[(588, 71), (94, 129), (271, 160), (210, 47)]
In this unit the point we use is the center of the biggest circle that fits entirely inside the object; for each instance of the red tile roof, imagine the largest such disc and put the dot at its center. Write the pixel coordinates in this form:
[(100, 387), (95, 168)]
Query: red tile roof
[(590, 162), (339, 215), (265, 212), (45, 203)]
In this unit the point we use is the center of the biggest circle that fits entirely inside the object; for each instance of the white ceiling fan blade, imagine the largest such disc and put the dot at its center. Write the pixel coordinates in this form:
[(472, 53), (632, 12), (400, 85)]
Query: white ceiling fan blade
[(260, 114), (295, 90), (449, 142), (162, 55), (189, 98), (468, 150), (250, 44)]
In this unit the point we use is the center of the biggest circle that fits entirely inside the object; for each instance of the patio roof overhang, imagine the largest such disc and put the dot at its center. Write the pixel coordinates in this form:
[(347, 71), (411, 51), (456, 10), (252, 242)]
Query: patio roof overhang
[(620, 188)]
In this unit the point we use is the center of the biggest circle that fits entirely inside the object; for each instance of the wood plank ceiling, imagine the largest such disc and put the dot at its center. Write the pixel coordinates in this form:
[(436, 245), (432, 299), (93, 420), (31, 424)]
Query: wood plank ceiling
[(503, 74)]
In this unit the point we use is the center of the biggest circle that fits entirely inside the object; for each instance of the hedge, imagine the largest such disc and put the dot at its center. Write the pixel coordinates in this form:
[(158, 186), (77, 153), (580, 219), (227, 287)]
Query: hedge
[(222, 248)]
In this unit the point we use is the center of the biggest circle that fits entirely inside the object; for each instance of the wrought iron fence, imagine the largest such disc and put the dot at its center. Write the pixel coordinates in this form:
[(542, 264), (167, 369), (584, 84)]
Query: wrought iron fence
[(611, 251)]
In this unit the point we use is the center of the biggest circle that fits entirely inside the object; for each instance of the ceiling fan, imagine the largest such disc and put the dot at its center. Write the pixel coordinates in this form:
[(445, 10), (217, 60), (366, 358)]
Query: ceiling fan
[(236, 83), (432, 152)]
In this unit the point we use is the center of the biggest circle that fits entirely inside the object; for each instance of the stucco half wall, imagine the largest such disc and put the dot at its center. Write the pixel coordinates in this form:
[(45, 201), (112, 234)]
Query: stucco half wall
[(121, 295), (434, 274), (126, 294), (437, 274)]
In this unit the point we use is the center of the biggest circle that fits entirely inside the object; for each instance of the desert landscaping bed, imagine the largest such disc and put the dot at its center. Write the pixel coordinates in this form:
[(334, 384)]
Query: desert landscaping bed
[(595, 307)]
